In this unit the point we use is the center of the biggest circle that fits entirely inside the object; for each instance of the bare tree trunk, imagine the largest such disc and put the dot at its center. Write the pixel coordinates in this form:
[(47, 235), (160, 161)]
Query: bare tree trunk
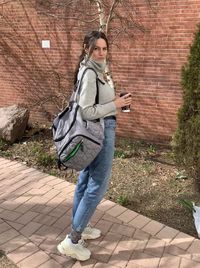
[(102, 23), (104, 28)]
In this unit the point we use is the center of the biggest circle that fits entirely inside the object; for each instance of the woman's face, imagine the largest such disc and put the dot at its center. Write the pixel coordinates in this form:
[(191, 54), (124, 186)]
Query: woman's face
[(99, 53)]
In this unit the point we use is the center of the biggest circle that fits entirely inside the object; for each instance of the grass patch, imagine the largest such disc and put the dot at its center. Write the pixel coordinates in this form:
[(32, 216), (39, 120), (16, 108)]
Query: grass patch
[(46, 160)]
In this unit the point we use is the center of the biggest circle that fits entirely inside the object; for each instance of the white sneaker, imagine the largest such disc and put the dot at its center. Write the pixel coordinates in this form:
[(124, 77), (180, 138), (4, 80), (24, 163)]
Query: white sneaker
[(90, 233), (76, 251)]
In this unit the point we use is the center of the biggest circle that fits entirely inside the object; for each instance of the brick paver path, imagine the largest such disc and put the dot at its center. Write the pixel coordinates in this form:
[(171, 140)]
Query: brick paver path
[(35, 211)]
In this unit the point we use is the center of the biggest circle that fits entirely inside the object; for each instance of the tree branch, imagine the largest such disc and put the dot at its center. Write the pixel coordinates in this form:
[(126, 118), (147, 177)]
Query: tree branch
[(66, 18), (114, 5), (5, 2)]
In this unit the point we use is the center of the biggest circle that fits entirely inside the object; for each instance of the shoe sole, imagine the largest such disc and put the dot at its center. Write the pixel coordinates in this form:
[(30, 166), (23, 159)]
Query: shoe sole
[(88, 237), (72, 255)]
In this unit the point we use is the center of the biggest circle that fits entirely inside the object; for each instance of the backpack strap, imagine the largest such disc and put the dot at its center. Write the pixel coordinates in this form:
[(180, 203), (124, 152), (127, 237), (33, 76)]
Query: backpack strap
[(97, 84)]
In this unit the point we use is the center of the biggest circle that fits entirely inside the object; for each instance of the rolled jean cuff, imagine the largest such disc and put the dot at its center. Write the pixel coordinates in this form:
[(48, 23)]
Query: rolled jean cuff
[(75, 236)]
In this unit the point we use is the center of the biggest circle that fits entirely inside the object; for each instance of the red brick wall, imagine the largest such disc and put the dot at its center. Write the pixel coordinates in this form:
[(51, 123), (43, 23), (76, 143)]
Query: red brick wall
[(148, 65)]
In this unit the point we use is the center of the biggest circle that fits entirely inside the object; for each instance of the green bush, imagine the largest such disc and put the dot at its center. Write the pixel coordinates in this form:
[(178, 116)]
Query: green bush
[(123, 200), (3, 145), (151, 150), (187, 137), (120, 154)]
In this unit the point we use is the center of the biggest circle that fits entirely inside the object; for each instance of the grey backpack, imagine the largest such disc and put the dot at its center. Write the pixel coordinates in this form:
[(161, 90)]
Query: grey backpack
[(77, 141)]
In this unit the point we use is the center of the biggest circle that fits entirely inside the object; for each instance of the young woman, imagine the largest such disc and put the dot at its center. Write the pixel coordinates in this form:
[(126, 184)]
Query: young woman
[(93, 181)]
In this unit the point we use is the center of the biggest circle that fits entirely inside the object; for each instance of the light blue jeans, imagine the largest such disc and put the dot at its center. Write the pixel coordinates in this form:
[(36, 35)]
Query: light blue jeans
[(93, 181)]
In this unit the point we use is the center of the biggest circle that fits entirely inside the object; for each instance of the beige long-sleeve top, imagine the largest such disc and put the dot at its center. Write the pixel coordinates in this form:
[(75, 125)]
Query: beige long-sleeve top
[(90, 109)]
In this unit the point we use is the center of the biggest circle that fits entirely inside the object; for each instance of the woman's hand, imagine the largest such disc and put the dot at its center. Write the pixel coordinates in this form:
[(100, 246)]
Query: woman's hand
[(123, 101)]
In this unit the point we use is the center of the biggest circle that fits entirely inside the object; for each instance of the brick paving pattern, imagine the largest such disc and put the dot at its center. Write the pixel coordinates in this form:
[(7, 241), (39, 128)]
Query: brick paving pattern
[(35, 212)]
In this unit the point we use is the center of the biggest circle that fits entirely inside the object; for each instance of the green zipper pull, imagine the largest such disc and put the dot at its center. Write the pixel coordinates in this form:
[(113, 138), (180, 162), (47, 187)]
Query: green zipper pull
[(74, 151)]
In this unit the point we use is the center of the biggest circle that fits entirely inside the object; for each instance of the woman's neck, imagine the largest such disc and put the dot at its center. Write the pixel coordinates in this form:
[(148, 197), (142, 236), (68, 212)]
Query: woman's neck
[(98, 66)]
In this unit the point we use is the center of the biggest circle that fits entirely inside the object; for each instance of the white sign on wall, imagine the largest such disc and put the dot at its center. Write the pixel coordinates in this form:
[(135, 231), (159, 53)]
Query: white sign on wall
[(45, 43)]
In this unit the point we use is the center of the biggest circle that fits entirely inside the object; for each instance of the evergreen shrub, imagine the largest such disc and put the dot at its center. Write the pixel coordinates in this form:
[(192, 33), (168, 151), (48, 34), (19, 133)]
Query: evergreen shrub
[(187, 136)]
